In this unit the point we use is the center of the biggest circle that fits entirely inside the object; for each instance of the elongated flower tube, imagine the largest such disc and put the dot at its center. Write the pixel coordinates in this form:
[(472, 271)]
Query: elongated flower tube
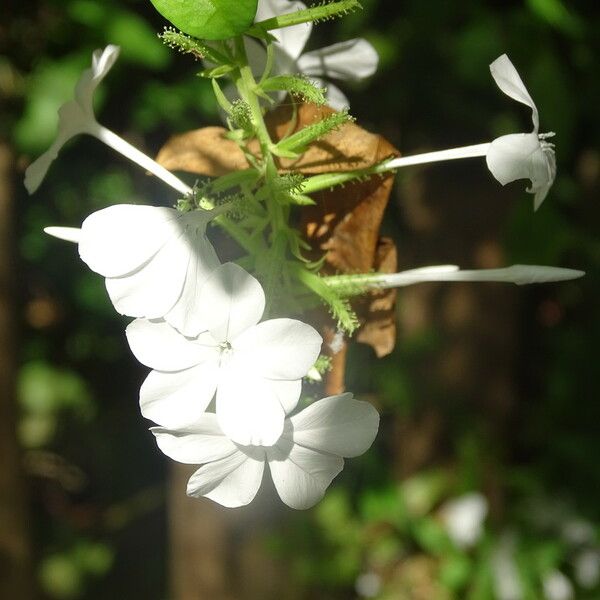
[(510, 157), (77, 116), (255, 368), (352, 60), (518, 274), (154, 259), (303, 462)]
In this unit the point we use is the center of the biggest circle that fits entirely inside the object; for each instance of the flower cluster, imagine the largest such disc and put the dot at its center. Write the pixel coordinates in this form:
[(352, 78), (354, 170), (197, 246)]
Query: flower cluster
[(227, 369)]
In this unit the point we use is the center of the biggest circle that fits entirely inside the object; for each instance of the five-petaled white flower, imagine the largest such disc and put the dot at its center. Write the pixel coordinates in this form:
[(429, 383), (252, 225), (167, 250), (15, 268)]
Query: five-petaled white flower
[(521, 155), (353, 60), (154, 259), (77, 116), (303, 461), (255, 368)]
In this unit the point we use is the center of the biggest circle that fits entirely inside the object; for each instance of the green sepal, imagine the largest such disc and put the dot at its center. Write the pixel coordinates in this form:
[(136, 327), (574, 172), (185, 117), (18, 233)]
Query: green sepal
[(302, 200), (299, 141), (216, 72), (315, 14), (220, 97), (189, 45), (283, 153), (301, 87)]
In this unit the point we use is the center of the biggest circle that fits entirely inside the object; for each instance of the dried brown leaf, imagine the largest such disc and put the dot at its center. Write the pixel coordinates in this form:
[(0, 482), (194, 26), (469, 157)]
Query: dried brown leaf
[(377, 309), (202, 151)]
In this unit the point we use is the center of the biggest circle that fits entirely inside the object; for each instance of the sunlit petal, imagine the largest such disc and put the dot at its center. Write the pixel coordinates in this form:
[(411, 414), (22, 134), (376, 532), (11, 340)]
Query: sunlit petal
[(292, 39), (179, 399), (352, 60), (119, 239), (233, 301), (202, 443), (509, 81), (249, 410), (232, 481), (301, 475), (279, 348), (158, 345), (338, 425)]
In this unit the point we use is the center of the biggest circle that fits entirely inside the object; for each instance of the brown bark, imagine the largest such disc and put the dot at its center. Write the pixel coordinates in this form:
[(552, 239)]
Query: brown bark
[(219, 553), (15, 551)]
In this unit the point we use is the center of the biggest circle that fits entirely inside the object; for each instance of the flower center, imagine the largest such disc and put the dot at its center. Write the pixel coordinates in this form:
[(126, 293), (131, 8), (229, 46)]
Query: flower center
[(225, 351)]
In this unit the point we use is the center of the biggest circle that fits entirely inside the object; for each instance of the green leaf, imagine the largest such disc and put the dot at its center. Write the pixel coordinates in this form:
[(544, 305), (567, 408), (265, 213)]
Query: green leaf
[(209, 19)]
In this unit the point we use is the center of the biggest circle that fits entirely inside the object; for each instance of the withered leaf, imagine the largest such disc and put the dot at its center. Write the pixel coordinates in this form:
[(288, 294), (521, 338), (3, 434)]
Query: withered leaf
[(377, 309), (345, 222), (203, 151)]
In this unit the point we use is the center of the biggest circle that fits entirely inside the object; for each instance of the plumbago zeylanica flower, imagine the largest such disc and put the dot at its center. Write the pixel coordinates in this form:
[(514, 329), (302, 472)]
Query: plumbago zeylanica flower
[(154, 259), (77, 116), (198, 322), (255, 368), (303, 461), (352, 60), (521, 155), (510, 157)]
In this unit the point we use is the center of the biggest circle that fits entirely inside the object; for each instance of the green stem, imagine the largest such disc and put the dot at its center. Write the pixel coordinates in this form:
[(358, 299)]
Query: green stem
[(278, 214)]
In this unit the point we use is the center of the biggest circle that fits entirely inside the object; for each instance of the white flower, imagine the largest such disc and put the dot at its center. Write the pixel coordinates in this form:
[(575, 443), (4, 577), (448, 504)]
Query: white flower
[(77, 116), (154, 260), (557, 586), (521, 155), (464, 517), (506, 577), (255, 368), (353, 60), (303, 461), (587, 568)]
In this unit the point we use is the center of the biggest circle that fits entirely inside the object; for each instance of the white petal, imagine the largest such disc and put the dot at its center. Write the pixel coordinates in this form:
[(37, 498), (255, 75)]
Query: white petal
[(202, 443), (188, 314), (233, 300), (336, 99), (544, 173), (278, 348), (102, 62), (68, 234), (72, 121), (301, 476), (177, 400), (249, 409), (159, 346), (508, 80), (352, 60), (232, 481), (153, 289), (287, 392), (119, 239), (292, 39), (75, 116), (338, 425), (511, 157)]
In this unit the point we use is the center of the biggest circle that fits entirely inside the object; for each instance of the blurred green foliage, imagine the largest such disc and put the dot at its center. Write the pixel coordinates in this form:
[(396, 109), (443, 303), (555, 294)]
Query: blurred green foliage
[(379, 531)]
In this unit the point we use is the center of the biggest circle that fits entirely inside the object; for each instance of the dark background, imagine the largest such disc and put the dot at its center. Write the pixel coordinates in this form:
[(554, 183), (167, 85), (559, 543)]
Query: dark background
[(491, 388)]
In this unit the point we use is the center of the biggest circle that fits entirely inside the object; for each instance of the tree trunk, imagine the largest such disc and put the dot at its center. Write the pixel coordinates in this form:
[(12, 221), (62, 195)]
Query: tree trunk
[(16, 581)]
